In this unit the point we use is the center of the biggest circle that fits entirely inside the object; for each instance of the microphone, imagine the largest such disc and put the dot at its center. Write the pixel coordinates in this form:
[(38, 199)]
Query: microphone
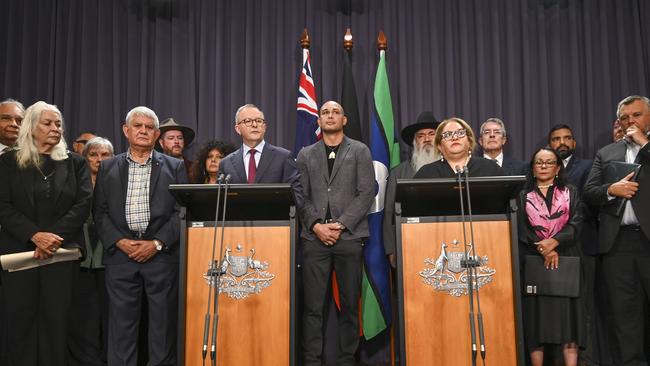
[(211, 273), (474, 264), (465, 263), (215, 324)]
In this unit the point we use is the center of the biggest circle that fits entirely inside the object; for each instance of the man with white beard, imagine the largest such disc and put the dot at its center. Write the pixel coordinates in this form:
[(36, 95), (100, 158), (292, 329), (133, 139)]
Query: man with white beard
[(420, 136)]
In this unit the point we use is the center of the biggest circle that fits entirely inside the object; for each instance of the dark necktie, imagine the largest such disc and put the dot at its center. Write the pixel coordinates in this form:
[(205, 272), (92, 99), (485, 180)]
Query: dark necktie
[(251, 166)]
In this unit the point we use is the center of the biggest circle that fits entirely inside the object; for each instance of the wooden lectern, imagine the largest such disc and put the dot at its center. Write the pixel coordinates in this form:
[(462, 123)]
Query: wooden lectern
[(257, 301), (432, 283)]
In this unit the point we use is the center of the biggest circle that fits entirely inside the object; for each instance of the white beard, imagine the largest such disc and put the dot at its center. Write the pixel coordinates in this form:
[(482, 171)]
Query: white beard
[(423, 155)]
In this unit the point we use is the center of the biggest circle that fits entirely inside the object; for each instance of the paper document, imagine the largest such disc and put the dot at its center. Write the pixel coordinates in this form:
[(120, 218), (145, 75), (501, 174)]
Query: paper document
[(25, 260)]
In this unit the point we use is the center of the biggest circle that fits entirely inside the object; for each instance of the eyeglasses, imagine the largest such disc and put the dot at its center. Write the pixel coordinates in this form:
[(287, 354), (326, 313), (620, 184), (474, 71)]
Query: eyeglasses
[(449, 135), (541, 163), (497, 132), (249, 121)]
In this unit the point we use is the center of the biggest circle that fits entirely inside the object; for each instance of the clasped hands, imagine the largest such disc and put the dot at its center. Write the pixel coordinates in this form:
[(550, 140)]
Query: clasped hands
[(329, 233), (138, 250), (546, 248), (46, 244)]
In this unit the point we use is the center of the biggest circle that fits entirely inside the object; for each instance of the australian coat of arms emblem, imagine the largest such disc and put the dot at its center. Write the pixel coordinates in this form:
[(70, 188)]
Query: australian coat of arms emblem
[(447, 273), (241, 276)]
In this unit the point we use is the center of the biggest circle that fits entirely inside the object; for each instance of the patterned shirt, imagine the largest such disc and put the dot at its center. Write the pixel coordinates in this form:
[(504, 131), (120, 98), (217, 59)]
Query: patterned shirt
[(137, 194)]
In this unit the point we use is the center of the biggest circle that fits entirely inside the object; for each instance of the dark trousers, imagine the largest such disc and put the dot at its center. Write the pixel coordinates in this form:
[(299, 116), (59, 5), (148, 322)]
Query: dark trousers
[(87, 340), (37, 304), (318, 260), (125, 284), (627, 276)]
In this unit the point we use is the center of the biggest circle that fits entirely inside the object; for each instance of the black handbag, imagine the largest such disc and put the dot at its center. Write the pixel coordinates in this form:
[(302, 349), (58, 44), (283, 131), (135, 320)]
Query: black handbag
[(563, 281)]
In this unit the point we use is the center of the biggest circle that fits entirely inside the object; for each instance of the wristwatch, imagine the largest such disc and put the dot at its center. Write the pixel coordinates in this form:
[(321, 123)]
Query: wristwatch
[(158, 244)]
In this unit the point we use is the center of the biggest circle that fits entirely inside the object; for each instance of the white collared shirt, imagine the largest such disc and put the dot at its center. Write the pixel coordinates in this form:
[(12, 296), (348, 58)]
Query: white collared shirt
[(567, 160), (258, 155), (3, 147), (498, 158)]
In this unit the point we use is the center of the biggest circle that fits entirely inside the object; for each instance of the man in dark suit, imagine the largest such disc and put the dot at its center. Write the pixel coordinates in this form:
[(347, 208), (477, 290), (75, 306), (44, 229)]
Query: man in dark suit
[(137, 221), (492, 139), (258, 161), (339, 186), (576, 170), (624, 230)]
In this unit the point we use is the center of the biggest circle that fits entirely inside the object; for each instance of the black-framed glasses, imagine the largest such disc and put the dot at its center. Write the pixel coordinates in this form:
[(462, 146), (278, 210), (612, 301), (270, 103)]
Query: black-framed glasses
[(449, 135), (541, 163), (249, 121)]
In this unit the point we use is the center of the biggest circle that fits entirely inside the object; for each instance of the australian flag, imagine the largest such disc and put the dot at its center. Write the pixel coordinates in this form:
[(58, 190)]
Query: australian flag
[(307, 130)]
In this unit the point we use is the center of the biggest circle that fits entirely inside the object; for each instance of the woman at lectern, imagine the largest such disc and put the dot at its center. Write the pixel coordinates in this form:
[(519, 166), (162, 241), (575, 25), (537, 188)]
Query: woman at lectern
[(549, 221), (206, 164), (45, 197), (455, 140)]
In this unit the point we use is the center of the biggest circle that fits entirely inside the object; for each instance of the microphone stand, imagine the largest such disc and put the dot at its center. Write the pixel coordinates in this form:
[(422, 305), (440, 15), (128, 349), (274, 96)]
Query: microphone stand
[(468, 269), (475, 263), (211, 274), (213, 348)]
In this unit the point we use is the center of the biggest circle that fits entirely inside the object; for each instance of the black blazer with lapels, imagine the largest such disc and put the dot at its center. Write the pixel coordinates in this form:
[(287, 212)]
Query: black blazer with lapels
[(71, 198), (595, 192), (110, 201)]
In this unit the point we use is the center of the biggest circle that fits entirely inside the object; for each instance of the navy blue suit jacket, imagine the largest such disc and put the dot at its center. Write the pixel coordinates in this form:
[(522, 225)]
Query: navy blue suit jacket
[(110, 201), (577, 171), (276, 166)]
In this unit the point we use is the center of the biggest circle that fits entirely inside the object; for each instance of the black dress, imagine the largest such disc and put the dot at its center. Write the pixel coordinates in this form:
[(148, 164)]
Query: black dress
[(477, 166), (552, 319)]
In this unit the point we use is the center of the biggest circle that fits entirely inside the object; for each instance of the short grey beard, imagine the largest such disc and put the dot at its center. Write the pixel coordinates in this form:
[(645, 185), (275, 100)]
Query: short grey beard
[(423, 155)]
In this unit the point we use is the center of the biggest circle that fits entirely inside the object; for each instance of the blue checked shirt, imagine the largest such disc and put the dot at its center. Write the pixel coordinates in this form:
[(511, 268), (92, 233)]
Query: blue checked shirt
[(137, 194)]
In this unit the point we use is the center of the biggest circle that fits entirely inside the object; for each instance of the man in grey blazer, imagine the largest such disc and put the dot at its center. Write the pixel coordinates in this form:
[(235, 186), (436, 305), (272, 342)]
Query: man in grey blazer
[(257, 161), (339, 185)]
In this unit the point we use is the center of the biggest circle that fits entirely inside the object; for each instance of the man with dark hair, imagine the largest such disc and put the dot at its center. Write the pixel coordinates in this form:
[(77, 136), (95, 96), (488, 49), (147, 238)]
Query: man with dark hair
[(420, 136), (339, 186), (561, 139), (80, 142), (624, 226), (12, 113), (492, 138), (138, 223)]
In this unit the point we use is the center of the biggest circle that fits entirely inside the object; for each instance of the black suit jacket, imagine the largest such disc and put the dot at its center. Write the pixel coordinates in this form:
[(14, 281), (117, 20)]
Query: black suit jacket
[(71, 196), (513, 166), (595, 192), (577, 171), (110, 201), (276, 166)]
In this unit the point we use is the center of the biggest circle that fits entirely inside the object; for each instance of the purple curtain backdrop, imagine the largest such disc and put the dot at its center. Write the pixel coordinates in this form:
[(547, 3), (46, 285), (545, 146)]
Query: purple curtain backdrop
[(533, 63)]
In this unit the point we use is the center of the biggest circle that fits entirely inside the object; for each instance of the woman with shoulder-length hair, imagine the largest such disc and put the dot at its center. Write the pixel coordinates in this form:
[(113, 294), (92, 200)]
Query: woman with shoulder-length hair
[(455, 140), (550, 216), (45, 196)]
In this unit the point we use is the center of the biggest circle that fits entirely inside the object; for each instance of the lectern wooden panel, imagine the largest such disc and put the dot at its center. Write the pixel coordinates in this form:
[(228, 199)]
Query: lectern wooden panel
[(247, 327), (257, 300), (437, 323), (433, 295)]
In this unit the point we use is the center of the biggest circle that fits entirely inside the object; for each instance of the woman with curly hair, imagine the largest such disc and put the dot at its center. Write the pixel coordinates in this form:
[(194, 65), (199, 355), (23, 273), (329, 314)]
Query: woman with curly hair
[(206, 164)]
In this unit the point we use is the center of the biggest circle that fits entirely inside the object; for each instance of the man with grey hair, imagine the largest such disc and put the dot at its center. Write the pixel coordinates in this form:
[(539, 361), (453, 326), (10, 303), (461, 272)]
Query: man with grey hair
[(492, 138), (141, 241), (420, 136), (624, 226), (257, 161), (12, 113)]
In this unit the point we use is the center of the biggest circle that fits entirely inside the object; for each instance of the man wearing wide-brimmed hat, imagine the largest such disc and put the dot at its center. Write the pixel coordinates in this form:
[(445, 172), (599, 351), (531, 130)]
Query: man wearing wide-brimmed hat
[(174, 137), (419, 136)]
